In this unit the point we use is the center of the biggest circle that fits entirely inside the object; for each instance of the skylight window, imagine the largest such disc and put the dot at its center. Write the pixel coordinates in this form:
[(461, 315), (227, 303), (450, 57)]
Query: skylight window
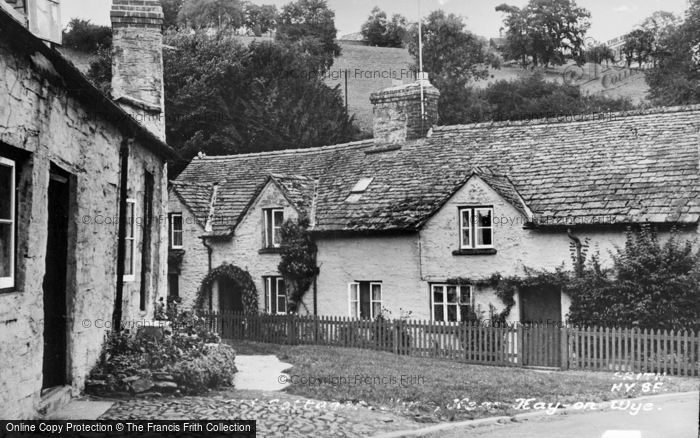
[(362, 185)]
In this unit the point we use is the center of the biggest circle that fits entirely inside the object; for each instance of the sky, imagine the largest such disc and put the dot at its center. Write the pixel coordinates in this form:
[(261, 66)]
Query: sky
[(610, 18)]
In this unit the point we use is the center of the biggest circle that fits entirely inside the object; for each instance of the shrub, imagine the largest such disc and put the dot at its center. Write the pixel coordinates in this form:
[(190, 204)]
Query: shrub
[(212, 369), (188, 354), (651, 285)]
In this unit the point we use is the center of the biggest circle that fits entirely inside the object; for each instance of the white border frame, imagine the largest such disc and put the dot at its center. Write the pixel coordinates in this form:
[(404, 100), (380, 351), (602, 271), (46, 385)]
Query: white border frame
[(9, 282), (172, 231), (132, 276), (267, 238)]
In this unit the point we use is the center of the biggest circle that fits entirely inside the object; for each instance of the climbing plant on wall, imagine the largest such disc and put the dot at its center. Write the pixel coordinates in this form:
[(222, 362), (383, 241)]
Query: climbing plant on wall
[(243, 280), (298, 264)]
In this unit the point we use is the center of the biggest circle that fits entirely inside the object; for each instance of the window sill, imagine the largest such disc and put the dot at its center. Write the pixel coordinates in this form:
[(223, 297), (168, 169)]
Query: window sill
[(9, 290), (270, 251), (474, 251)]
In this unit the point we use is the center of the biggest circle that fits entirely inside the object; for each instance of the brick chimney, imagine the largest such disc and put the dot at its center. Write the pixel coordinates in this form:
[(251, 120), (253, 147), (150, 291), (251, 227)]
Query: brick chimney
[(398, 112), (137, 61)]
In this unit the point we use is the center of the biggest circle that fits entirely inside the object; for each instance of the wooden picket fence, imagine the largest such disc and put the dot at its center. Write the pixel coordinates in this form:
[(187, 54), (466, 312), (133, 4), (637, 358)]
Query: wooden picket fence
[(514, 345)]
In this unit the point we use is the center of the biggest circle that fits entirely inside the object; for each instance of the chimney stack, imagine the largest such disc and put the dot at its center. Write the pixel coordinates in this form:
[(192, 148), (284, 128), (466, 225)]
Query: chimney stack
[(137, 61), (399, 114)]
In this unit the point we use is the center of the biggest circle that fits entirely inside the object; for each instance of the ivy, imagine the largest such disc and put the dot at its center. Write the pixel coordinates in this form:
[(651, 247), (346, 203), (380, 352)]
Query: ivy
[(298, 264), (241, 277), (506, 287)]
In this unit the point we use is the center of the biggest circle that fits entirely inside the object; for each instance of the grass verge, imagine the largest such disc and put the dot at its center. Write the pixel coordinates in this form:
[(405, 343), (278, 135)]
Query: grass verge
[(430, 390)]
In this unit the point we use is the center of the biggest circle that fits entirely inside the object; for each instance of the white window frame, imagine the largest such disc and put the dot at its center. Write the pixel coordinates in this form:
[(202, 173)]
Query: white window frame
[(130, 207), (268, 292), (444, 303), (181, 231), (478, 228), (269, 215), (473, 227), (9, 282), (354, 299)]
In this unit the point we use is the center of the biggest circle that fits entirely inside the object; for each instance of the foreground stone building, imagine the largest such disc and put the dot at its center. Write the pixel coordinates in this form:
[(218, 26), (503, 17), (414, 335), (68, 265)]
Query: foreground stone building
[(417, 219), (83, 189)]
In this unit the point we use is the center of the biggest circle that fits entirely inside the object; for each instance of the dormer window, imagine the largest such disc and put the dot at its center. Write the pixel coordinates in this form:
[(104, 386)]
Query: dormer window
[(476, 227), (274, 218)]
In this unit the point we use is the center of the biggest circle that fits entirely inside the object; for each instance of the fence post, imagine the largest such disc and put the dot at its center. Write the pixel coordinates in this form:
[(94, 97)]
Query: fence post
[(520, 345), (396, 327), (564, 342)]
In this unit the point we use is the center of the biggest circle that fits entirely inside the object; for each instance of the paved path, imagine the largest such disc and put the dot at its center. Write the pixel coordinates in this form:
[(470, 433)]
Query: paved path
[(671, 417), (277, 414), (260, 373)]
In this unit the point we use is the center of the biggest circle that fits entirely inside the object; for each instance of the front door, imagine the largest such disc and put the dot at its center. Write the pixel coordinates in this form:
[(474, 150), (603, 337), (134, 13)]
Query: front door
[(55, 306), (540, 309), (230, 298)]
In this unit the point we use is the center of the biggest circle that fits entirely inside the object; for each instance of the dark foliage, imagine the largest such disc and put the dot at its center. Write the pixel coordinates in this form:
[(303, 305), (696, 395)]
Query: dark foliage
[(675, 78), (86, 37), (528, 98), (378, 30), (220, 14), (223, 98), (190, 352), (652, 284), (309, 25), (545, 31), (242, 279), (298, 261)]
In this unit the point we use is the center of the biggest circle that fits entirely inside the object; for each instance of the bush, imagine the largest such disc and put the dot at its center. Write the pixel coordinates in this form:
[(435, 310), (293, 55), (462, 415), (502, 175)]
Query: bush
[(211, 370), (651, 285), (186, 357)]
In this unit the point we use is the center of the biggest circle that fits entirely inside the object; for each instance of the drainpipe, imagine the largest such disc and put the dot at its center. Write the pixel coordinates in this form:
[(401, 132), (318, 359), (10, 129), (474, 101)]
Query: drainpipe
[(209, 253), (577, 245), (121, 233)]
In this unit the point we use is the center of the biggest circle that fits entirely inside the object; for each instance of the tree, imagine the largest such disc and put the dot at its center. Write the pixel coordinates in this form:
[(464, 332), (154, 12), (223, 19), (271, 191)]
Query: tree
[(171, 10), (675, 78), (86, 37), (221, 14), (660, 25), (310, 26), (260, 19), (532, 97), (379, 31), (599, 54), (453, 57), (639, 46), (545, 31), (223, 97), (651, 285)]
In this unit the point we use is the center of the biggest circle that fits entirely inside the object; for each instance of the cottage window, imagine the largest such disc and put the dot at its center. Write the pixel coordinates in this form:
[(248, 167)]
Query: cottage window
[(476, 227), (176, 231), (7, 223), (365, 299), (451, 303), (130, 241), (274, 218), (275, 296)]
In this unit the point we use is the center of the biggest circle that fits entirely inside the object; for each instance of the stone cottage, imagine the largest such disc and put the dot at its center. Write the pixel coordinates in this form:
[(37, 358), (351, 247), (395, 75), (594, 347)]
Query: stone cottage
[(83, 197), (418, 218)]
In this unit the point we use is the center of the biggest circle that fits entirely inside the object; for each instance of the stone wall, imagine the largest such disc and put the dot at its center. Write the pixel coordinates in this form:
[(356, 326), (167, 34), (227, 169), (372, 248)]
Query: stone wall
[(195, 262), (41, 124)]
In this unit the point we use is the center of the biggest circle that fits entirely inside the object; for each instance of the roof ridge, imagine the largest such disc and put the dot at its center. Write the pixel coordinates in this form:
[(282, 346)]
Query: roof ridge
[(571, 118), (354, 144)]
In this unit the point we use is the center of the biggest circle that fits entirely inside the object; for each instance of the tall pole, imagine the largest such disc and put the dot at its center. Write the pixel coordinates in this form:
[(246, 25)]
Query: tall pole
[(420, 65)]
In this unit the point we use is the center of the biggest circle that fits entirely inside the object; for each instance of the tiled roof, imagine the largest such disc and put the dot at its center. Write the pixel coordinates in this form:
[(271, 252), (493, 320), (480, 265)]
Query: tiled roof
[(299, 190), (197, 197), (617, 168)]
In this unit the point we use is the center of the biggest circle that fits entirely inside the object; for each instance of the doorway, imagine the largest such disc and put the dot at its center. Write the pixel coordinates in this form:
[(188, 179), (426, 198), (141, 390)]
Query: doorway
[(540, 314), (230, 296), (55, 280)]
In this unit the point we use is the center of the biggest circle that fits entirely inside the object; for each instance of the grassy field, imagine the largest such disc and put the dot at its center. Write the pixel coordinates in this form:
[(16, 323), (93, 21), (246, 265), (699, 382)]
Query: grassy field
[(426, 389)]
